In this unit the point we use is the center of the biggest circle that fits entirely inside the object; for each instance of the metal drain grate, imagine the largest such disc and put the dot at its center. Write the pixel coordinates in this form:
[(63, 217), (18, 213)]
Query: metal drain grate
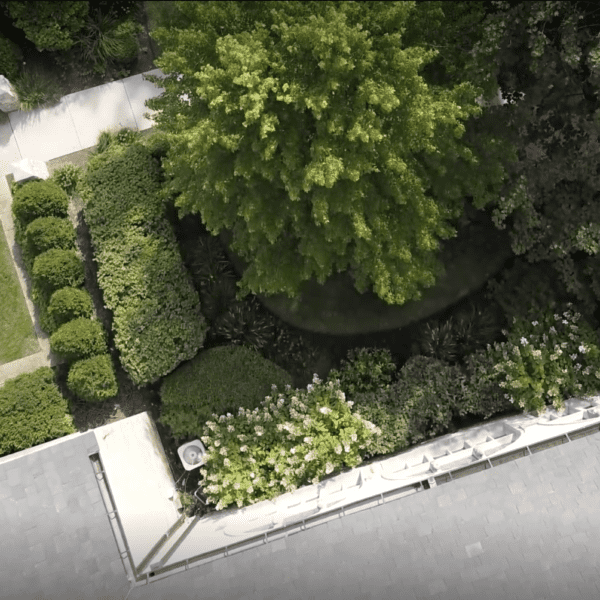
[(575, 435), (480, 466), (500, 460), (557, 441)]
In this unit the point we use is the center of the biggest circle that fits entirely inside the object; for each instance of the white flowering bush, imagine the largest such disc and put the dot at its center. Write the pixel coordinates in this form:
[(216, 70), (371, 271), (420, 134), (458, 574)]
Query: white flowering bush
[(294, 438), (548, 359)]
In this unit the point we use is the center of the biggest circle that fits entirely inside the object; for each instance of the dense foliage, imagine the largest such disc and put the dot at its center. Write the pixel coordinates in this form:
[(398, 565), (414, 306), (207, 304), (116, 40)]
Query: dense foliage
[(67, 178), (288, 441), (428, 394), (156, 313), (365, 370), (37, 199), (546, 56), (217, 381), (56, 269), (548, 359), (93, 379), (32, 411), (379, 408), (483, 395), (46, 233), (106, 39), (69, 303), (311, 135), (77, 339), (50, 25), (460, 335), (9, 63)]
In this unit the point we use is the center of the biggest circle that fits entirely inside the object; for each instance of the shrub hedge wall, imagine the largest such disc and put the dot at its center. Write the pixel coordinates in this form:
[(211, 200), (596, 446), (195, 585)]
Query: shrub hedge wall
[(32, 411), (217, 381), (157, 319)]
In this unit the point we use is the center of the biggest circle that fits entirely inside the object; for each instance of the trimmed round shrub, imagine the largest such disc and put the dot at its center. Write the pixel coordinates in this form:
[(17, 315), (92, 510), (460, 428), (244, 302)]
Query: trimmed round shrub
[(428, 393), (39, 199), (77, 339), (216, 381), (56, 269), (45, 233), (93, 379), (32, 411), (378, 408), (9, 62), (365, 370), (68, 304)]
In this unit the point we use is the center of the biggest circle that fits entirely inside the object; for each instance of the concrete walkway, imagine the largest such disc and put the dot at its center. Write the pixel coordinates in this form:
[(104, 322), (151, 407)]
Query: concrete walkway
[(49, 133)]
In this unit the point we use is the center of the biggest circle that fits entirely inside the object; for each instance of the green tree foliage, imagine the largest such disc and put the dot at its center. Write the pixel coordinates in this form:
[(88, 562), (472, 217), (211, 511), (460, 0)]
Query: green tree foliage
[(548, 55), (309, 132), (49, 25)]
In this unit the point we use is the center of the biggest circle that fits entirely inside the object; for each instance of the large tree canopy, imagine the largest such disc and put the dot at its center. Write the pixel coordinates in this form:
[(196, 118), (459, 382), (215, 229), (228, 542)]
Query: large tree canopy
[(548, 57), (308, 131)]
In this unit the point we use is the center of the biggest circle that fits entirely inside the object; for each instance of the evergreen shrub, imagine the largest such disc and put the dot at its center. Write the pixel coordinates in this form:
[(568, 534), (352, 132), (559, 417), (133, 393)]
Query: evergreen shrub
[(93, 379), (365, 370), (45, 233), (36, 199), (428, 393), (78, 339), (217, 381), (379, 408), (32, 411), (9, 62), (68, 304), (157, 318), (483, 395), (56, 269)]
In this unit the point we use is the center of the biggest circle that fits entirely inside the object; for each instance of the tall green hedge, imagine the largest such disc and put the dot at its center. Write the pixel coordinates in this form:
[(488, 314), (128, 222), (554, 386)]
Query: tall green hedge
[(157, 319), (32, 411), (218, 380)]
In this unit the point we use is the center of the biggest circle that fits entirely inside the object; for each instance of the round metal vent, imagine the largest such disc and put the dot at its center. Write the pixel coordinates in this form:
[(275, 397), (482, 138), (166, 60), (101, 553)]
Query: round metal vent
[(192, 455)]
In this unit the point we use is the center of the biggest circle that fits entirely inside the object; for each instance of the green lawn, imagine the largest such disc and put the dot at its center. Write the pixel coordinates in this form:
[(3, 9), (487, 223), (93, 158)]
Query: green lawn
[(17, 338)]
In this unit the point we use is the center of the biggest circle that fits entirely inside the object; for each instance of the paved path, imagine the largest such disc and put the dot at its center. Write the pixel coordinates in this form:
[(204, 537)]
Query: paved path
[(527, 529)]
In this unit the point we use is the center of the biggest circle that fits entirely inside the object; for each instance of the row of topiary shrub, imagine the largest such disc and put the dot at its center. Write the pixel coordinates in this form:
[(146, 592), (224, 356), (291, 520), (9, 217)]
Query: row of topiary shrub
[(32, 411), (156, 311), (47, 241)]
